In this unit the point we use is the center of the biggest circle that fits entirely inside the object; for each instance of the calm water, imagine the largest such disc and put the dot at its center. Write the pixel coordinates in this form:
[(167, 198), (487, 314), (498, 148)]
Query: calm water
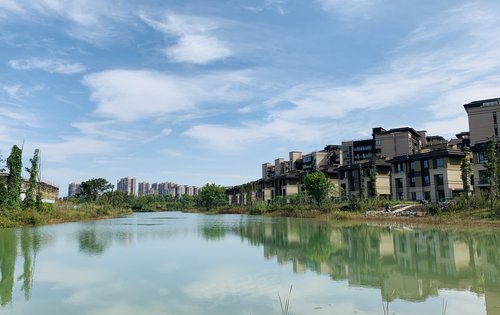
[(175, 263)]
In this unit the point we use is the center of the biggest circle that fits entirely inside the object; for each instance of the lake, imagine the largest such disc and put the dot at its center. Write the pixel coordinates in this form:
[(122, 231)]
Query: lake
[(176, 263)]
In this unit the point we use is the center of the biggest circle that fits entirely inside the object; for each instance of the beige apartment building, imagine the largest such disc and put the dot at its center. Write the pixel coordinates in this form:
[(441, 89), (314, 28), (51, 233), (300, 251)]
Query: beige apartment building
[(482, 126), (433, 175)]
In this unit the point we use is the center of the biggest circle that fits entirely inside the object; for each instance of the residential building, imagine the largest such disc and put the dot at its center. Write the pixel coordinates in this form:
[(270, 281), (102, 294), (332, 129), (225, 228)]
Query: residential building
[(143, 188), (433, 175), (74, 189), (127, 185), (483, 125), (49, 191), (356, 178)]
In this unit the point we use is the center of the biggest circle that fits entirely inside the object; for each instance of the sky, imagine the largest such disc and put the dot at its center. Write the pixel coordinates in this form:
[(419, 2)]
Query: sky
[(205, 91)]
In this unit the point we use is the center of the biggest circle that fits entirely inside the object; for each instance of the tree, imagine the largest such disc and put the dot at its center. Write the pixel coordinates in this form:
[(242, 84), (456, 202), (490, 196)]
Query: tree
[(3, 187), (466, 169), (93, 188), (30, 199), (373, 180), (491, 166), (317, 186), (15, 165), (212, 195)]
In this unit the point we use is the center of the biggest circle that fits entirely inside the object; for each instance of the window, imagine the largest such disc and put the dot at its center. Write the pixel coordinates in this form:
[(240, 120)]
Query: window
[(398, 168), (495, 126), (399, 183), (438, 179), (426, 180), (439, 163), (413, 181), (425, 164), (427, 195), (480, 157), (483, 178), (413, 196), (342, 175), (378, 142), (412, 166)]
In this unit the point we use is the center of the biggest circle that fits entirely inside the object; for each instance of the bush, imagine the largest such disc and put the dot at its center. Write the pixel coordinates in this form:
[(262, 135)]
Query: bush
[(258, 207)]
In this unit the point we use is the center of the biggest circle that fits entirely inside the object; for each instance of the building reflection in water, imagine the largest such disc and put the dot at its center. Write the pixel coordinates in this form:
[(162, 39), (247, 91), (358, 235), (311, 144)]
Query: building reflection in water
[(404, 263)]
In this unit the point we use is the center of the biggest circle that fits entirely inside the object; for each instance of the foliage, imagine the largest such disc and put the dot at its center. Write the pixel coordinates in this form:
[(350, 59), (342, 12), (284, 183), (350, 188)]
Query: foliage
[(14, 164), (93, 188), (466, 170), (373, 180), (492, 170), (30, 199), (317, 186), (212, 196), (258, 207)]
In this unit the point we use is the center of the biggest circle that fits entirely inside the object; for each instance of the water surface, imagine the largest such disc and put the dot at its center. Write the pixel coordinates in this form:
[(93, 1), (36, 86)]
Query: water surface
[(175, 263)]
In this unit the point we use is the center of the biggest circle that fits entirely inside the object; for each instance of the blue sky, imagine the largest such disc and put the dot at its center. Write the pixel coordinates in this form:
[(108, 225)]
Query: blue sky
[(206, 91)]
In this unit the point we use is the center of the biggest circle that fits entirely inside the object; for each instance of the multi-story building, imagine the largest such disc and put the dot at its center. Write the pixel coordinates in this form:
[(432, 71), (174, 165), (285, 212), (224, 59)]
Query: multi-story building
[(482, 126), (127, 185), (74, 189), (356, 178), (433, 174), (143, 188)]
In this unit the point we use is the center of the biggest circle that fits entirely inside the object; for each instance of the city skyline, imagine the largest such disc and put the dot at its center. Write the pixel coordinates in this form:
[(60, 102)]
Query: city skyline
[(206, 91)]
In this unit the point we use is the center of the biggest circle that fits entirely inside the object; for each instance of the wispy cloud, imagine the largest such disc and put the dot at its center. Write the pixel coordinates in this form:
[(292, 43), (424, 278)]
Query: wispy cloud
[(50, 65), (90, 20), (258, 6), (74, 147), (234, 137), (196, 42), (130, 95)]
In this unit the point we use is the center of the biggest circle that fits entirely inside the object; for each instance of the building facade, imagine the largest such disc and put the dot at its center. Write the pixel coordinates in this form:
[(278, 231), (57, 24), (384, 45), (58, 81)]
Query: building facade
[(127, 185), (74, 189), (483, 125), (143, 188)]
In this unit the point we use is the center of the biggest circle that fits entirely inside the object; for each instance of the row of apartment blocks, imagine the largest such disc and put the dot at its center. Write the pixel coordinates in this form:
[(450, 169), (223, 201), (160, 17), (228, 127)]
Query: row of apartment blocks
[(129, 186), (400, 163)]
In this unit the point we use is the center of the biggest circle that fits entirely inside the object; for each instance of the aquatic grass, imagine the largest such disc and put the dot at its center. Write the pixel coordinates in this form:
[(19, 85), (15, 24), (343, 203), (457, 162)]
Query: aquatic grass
[(443, 307), (285, 303)]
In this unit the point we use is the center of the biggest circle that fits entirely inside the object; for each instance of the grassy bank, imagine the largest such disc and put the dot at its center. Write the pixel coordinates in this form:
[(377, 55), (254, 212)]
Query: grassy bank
[(61, 212)]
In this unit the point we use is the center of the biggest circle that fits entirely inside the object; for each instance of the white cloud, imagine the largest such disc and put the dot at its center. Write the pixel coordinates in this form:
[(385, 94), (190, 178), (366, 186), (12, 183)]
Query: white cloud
[(199, 49), (447, 75), (49, 65), (233, 138), (90, 20), (74, 147), (195, 41), (130, 95), (12, 90)]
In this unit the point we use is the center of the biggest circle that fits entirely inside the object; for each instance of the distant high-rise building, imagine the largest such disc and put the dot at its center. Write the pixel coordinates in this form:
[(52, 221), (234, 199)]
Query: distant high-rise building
[(74, 189), (143, 188), (127, 185)]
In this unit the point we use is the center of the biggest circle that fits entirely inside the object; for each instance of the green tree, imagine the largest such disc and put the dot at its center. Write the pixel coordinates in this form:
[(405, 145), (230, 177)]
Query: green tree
[(3, 187), (491, 166), (30, 199), (211, 196), (317, 186), (15, 165), (466, 169), (93, 188), (373, 180)]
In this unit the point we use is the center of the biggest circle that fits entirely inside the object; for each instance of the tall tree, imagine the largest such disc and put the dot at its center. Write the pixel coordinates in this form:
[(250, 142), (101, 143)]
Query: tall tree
[(211, 196), (491, 166), (317, 186), (93, 188), (30, 199), (466, 170), (3, 187), (14, 164), (373, 180)]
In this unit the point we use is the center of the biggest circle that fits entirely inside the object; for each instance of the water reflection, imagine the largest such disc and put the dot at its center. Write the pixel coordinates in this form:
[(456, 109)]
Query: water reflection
[(404, 263), (28, 241)]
